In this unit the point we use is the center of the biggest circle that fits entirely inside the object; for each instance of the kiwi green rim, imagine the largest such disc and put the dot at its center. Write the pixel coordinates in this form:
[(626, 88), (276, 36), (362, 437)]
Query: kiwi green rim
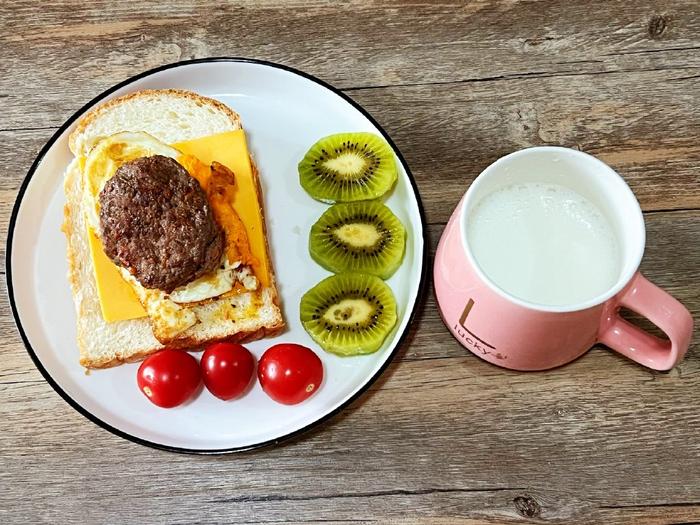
[(184, 450)]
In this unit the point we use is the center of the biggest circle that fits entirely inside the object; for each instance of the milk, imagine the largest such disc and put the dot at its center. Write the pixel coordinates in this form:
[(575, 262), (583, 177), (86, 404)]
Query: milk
[(544, 243)]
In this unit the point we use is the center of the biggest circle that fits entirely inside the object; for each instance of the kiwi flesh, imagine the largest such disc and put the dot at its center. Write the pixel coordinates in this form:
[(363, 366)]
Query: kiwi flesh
[(348, 167), (349, 313), (360, 236)]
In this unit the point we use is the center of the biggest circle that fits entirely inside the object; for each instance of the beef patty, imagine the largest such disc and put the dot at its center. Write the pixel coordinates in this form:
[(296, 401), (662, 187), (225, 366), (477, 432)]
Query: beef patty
[(157, 223)]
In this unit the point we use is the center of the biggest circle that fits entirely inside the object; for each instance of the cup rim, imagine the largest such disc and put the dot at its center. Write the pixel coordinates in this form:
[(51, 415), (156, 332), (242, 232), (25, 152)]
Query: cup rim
[(624, 278)]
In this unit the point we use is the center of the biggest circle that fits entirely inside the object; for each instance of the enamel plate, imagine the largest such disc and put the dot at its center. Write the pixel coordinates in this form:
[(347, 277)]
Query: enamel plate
[(284, 112)]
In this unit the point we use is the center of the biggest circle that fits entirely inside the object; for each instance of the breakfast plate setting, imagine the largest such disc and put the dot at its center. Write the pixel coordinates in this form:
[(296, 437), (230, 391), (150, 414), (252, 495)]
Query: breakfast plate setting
[(216, 255)]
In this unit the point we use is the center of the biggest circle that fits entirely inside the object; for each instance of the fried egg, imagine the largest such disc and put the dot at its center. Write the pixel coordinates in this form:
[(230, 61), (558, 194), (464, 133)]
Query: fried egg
[(168, 313)]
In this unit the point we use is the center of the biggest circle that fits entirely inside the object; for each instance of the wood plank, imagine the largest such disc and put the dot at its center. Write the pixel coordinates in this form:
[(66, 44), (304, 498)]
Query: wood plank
[(575, 440), (450, 133), (58, 57), (18, 149), (671, 261)]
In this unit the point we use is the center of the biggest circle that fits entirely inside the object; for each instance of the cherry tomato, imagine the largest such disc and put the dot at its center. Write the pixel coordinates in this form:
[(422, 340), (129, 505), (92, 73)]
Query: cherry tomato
[(169, 378), (227, 369), (290, 373)]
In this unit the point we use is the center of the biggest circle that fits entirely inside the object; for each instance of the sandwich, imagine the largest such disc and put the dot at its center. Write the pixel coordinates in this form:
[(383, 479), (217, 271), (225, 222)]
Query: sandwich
[(165, 229)]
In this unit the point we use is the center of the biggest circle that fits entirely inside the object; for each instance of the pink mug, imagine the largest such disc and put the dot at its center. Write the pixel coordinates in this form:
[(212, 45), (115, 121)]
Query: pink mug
[(513, 333)]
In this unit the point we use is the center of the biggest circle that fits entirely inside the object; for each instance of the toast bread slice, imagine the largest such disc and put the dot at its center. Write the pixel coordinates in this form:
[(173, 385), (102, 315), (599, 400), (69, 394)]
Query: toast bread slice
[(171, 116)]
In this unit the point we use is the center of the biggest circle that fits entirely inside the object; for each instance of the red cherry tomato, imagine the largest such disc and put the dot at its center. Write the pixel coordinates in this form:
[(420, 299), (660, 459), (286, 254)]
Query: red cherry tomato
[(227, 369), (169, 377), (290, 373)]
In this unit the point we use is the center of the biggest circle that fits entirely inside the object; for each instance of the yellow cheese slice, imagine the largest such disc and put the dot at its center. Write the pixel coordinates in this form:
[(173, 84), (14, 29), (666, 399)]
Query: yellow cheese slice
[(117, 299)]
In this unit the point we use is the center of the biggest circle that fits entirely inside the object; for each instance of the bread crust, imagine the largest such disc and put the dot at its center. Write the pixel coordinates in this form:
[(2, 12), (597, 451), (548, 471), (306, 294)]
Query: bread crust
[(100, 110), (190, 344), (71, 228)]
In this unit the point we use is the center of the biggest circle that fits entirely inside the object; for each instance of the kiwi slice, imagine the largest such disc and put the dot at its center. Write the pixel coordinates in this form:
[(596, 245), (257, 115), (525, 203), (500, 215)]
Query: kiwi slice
[(360, 236), (349, 313), (348, 167)]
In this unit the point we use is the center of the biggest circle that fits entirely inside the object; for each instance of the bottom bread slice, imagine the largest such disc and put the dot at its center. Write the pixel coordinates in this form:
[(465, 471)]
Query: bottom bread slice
[(243, 317)]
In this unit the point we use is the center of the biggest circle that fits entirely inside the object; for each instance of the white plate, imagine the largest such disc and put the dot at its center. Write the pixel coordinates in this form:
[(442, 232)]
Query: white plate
[(284, 112)]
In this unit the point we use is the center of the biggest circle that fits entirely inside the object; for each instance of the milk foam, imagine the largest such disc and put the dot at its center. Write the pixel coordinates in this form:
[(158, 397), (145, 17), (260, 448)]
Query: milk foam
[(544, 243)]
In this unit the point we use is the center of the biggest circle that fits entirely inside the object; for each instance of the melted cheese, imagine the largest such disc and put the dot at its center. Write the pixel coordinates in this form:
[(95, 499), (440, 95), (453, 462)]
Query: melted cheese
[(231, 150), (117, 298)]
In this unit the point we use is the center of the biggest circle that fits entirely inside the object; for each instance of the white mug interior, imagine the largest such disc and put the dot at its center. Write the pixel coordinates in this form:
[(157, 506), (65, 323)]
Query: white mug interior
[(586, 175)]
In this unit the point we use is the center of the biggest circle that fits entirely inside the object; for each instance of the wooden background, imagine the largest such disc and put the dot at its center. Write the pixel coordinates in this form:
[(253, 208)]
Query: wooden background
[(443, 438)]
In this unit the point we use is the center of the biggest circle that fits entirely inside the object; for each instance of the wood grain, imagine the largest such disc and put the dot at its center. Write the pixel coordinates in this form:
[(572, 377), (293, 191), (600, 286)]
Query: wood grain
[(442, 438), (646, 131), (350, 44), (443, 435)]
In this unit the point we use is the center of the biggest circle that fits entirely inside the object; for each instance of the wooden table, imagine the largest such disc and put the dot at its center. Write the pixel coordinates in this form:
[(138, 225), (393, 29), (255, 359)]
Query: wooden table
[(442, 437)]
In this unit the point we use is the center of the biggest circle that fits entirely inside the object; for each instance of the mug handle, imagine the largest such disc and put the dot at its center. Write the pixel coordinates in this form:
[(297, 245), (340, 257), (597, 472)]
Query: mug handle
[(660, 308)]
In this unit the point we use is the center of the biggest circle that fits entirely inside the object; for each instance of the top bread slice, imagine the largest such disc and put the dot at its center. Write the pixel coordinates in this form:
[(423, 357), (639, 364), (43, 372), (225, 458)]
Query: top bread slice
[(171, 116)]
